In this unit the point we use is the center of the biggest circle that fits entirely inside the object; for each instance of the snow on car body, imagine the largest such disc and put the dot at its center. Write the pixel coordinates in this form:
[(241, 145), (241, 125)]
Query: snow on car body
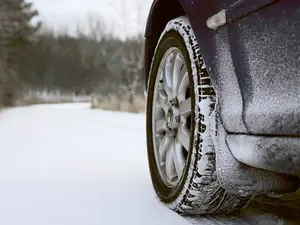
[(231, 68)]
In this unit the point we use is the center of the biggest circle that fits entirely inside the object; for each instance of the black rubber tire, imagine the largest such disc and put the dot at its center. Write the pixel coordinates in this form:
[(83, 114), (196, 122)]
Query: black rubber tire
[(198, 191)]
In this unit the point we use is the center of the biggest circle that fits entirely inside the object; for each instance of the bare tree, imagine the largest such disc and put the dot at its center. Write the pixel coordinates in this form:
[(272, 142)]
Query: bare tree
[(132, 63)]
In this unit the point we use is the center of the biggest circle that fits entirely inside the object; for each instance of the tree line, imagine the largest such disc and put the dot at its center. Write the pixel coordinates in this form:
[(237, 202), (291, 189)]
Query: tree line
[(33, 57)]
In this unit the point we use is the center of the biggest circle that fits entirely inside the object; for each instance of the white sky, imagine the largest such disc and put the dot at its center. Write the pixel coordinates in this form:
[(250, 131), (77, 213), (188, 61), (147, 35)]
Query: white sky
[(122, 17)]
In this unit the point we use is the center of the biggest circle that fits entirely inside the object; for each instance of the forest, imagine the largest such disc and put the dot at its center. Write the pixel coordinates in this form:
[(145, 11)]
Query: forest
[(36, 63)]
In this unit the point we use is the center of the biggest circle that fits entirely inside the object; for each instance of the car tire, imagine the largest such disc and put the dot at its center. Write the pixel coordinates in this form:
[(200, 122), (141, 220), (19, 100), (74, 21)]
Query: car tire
[(181, 153)]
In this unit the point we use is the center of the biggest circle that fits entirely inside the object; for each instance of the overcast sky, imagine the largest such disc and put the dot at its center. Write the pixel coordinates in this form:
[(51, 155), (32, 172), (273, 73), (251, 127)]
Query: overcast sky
[(122, 17)]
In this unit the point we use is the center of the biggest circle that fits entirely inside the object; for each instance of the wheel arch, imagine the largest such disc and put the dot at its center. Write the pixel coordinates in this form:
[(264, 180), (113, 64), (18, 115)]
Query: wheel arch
[(157, 20)]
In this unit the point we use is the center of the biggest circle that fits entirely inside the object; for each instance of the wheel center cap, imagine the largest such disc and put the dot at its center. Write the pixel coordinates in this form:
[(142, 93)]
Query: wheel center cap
[(170, 117)]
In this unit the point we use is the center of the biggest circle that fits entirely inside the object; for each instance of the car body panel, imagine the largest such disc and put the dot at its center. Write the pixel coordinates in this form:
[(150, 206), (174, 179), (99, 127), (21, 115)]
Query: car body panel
[(278, 154), (245, 55), (237, 9), (211, 42), (266, 56), (254, 64)]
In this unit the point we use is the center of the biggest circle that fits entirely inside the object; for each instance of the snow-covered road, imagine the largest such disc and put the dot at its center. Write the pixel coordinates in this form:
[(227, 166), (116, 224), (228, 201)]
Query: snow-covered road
[(70, 165)]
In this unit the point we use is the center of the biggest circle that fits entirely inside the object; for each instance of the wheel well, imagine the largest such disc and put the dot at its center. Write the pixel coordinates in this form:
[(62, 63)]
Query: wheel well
[(161, 13)]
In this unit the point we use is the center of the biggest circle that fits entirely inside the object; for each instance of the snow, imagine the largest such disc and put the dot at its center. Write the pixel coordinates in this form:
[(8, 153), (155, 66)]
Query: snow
[(70, 165)]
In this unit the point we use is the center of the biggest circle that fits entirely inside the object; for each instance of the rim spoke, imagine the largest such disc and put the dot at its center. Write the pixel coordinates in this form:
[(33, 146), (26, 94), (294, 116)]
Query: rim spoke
[(182, 86), (183, 136), (159, 111), (177, 76), (185, 107), (178, 157), (163, 147), (162, 99), (167, 76), (170, 166), (160, 126)]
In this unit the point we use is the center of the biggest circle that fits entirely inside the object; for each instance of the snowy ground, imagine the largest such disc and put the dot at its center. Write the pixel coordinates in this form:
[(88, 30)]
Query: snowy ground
[(70, 165)]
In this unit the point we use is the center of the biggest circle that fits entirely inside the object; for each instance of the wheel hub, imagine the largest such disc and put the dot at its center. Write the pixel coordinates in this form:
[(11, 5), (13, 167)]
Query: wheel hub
[(173, 115)]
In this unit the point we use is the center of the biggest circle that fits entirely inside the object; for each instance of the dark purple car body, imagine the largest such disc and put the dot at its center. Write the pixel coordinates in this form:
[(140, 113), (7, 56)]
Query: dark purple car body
[(253, 58)]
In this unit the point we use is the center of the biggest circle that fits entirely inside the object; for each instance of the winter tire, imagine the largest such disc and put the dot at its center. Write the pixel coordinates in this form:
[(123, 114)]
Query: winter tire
[(180, 103)]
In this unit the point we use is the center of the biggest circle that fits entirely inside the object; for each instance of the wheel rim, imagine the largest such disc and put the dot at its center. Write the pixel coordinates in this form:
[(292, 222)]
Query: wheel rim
[(171, 117)]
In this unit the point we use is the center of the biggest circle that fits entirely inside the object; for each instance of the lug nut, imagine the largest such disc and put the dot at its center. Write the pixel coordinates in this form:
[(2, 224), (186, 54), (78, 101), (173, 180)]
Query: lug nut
[(177, 119), (174, 102)]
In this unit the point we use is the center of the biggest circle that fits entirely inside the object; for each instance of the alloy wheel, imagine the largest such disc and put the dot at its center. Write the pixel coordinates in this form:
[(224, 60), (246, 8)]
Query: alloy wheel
[(171, 117)]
